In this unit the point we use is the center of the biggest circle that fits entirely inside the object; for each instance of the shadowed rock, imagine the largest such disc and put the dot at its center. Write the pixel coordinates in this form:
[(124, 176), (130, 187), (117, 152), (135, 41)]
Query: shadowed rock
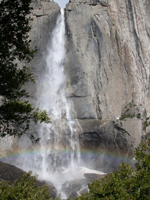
[(92, 176)]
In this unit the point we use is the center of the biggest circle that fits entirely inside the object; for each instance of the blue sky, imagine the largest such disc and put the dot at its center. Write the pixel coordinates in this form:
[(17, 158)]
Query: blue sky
[(62, 3)]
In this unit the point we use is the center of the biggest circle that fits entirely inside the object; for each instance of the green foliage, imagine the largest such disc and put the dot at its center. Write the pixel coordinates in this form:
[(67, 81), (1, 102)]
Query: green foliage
[(127, 113), (23, 190), (131, 104), (14, 47), (126, 116), (40, 116), (139, 116), (146, 123), (14, 24), (126, 182), (16, 114)]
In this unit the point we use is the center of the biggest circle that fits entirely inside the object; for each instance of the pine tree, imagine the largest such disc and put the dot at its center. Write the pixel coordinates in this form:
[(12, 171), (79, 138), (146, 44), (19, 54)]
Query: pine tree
[(14, 49)]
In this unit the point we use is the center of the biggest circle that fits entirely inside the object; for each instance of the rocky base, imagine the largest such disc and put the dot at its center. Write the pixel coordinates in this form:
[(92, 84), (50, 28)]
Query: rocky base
[(74, 188)]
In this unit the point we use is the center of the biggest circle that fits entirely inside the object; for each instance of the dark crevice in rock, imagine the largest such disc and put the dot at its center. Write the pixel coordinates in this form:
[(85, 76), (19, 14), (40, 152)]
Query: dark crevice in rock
[(103, 3), (98, 110), (75, 96), (97, 36), (120, 129), (148, 31), (91, 136), (40, 15), (86, 118)]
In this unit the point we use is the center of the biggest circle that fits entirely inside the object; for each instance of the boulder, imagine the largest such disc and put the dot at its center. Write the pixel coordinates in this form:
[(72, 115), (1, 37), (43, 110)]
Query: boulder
[(77, 187), (93, 176), (73, 187)]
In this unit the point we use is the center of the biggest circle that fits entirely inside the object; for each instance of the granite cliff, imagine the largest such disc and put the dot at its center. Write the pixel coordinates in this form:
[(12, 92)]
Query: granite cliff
[(107, 66), (44, 15), (108, 49)]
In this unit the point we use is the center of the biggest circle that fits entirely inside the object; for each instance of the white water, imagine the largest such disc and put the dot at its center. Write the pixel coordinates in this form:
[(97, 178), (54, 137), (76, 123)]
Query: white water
[(57, 157), (51, 97)]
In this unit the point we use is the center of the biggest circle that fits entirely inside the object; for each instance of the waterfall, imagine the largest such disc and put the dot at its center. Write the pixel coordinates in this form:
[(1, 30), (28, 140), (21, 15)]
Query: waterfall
[(57, 154), (56, 157), (52, 97)]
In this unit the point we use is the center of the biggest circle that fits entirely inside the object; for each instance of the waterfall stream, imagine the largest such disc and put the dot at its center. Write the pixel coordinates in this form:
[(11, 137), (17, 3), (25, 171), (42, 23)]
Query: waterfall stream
[(58, 152), (60, 136), (56, 157)]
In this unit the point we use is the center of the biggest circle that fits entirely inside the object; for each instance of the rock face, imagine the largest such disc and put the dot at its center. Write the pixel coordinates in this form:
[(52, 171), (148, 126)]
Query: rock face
[(108, 49), (44, 16), (6, 144)]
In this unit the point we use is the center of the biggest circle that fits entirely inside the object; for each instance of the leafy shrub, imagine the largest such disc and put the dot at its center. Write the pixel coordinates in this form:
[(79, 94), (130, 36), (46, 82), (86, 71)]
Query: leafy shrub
[(146, 123), (139, 116), (126, 116), (126, 183), (26, 189)]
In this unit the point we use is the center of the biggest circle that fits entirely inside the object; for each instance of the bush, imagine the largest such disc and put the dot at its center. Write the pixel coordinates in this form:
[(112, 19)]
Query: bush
[(26, 189), (126, 183)]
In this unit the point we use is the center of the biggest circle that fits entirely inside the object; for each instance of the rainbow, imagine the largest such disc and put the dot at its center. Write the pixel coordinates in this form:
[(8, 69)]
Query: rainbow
[(85, 154)]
